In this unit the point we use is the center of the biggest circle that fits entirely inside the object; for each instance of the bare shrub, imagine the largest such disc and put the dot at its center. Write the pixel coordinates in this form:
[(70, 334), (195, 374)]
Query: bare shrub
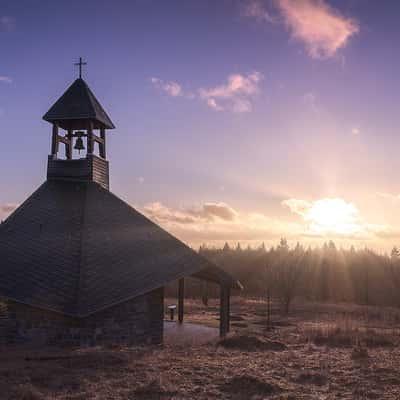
[(347, 333)]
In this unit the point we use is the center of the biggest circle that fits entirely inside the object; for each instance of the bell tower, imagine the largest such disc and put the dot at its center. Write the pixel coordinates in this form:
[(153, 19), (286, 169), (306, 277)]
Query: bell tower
[(78, 119)]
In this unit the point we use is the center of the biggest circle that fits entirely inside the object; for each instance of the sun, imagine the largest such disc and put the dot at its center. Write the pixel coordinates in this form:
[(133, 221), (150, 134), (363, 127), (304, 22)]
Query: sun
[(333, 216)]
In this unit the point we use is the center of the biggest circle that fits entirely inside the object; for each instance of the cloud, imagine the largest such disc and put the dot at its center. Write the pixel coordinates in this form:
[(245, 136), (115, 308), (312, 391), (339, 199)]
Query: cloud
[(206, 213), (256, 9), (235, 94), (394, 198), (216, 221), (166, 216), (388, 232), (321, 28), (172, 88), (328, 216), (5, 79), (7, 209), (335, 217), (320, 220), (213, 104), (355, 131), (219, 210), (7, 23)]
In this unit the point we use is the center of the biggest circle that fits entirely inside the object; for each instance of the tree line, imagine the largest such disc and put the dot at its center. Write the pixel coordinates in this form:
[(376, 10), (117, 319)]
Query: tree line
[(322, 274)]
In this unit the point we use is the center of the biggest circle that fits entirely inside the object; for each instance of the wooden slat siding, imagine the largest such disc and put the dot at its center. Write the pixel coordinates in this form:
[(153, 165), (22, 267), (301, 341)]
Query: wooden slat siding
[(91, 168), (181, 299), (100, 172)]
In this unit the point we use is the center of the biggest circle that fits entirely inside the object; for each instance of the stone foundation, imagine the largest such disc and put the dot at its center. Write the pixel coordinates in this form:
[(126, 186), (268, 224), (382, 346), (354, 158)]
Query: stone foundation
[(137, 321)]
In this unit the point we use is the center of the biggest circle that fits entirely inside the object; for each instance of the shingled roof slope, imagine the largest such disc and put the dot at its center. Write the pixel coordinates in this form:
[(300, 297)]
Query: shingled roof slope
[(78, 103), (76, 248)]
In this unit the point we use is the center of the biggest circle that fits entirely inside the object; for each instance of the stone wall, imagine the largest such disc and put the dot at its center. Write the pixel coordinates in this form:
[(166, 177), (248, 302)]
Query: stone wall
[(137, 321)]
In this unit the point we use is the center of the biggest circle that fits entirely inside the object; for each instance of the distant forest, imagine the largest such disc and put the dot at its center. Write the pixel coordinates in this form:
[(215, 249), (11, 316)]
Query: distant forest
[(324, 274)]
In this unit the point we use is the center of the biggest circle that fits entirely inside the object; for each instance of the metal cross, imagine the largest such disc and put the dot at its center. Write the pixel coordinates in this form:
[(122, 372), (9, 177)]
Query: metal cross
[(80, 63)]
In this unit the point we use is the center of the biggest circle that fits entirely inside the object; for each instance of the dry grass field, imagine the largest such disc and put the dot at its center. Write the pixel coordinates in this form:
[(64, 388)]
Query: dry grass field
[(318, 352)]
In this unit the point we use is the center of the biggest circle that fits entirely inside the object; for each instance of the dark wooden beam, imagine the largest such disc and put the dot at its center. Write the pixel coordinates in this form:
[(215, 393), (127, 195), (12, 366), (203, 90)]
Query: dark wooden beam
[(68, 147), (102, 150), (181, 297), (64, 140), (98, 139), (90, 141), (223, 310), (54, 140)]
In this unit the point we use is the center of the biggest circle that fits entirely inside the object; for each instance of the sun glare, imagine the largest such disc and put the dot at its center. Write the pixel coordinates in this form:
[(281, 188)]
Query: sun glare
[(333, 216)]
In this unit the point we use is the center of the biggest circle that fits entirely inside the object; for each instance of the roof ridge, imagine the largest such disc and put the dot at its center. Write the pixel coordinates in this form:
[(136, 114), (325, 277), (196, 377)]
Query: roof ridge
[(89, 95)]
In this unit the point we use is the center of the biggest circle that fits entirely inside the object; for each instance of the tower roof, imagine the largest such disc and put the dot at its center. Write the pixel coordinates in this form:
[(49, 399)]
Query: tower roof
[(76, 248), (76, 106)]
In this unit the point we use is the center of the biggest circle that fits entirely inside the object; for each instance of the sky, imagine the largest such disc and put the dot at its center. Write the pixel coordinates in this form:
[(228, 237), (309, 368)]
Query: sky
[(236, 120)]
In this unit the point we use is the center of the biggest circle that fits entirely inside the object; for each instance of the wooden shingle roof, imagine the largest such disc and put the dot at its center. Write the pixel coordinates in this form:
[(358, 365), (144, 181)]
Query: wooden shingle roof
[(75, 248), (78, 103)]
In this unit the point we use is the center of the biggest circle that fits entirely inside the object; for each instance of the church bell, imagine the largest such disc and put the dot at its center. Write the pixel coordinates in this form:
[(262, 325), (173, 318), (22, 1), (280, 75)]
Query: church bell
[(79, 144)]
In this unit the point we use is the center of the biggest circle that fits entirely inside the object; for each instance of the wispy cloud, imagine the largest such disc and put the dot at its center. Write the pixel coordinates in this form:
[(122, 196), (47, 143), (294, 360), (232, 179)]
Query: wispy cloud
[(395, 198), (208, 212), (217, 222), (235, 94), (256, 9), (322, 29), (171, 88), (7, 23), (322, 219), (5, 79)]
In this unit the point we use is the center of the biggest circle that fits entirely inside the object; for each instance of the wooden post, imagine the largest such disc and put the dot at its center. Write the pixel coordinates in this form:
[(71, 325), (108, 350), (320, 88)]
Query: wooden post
[(223, 311), (102, 147), (228, 308), (181, 296), (90, 143), (68, 147), (54, 140)]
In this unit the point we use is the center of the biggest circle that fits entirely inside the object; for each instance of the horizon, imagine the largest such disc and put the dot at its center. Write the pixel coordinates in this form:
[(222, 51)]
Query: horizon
[(236, 121)]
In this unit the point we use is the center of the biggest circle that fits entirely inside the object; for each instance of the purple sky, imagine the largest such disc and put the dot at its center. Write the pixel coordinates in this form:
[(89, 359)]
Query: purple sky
[(236, 120)]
